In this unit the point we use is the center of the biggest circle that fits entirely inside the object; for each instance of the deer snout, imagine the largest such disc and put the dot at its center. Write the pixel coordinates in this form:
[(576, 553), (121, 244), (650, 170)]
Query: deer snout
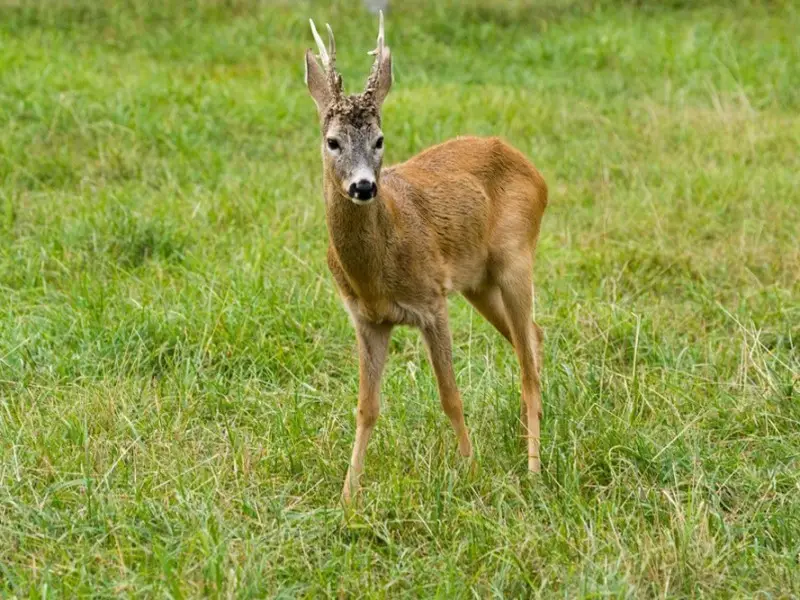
[(363, 190)]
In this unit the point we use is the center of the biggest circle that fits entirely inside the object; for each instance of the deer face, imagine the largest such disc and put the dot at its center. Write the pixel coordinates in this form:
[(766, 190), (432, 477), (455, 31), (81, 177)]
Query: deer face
[(352, 141), (352, 150)]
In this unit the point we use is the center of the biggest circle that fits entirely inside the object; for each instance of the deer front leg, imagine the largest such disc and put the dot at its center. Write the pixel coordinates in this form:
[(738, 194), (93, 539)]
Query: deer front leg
[(437, 339), (373, 342)]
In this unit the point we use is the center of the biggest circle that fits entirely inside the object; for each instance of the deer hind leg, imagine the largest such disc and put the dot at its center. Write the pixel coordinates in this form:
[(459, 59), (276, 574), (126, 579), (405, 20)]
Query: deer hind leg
[(373, 343), (437, 339), (489, 302), (517, 294)]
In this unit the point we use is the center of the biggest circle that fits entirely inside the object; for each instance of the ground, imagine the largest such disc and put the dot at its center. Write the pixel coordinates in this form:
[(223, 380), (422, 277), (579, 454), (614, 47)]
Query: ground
[(178, 378)]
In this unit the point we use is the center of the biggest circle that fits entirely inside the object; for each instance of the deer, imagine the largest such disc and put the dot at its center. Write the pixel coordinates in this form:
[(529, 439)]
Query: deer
[(462, 216)]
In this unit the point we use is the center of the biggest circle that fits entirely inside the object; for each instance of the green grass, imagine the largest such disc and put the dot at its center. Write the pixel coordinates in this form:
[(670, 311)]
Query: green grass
[(178, 378)]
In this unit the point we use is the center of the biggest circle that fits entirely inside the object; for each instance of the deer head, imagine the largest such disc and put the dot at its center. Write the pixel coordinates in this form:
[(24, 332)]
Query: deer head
[(352, 141)]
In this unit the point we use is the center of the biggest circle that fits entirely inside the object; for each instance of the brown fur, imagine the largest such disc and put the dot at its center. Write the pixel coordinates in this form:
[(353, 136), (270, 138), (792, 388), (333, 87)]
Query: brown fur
[(446, 220), (463, 216)]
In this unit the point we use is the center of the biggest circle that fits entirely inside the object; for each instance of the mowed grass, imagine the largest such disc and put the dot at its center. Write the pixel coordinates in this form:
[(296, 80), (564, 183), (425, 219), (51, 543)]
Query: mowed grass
[(178, 378)]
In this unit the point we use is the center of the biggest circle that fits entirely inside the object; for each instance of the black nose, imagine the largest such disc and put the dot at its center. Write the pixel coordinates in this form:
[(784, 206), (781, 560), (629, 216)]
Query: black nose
[(363, 190)]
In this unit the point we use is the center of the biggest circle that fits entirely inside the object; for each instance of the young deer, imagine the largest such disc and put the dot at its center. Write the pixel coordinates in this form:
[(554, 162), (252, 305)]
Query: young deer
[(461, 216)]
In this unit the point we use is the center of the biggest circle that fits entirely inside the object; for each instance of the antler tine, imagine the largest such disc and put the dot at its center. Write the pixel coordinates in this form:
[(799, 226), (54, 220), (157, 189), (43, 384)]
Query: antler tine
[(379, 48), (323, 53), (331, 43)]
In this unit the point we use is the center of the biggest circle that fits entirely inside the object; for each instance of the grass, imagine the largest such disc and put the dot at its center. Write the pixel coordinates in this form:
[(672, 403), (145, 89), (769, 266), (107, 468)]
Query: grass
[(178, 378)]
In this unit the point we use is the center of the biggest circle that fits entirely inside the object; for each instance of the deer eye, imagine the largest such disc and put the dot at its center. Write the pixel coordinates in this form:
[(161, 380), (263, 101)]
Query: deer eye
[(379, 143), (333, 144)]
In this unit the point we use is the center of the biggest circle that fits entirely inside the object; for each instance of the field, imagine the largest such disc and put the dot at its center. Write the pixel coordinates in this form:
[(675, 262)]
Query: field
[(178, 378)]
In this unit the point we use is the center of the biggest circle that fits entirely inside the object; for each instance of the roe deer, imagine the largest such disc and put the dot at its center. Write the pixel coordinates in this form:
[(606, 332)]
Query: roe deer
[(461, 216)]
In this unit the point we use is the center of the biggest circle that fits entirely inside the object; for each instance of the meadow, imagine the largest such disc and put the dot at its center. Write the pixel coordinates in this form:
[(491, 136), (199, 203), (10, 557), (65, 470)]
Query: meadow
[(178, 378)]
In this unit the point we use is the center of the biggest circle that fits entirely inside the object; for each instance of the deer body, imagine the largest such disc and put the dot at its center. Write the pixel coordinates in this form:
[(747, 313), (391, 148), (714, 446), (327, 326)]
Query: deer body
[(443, 225), (462, 216)]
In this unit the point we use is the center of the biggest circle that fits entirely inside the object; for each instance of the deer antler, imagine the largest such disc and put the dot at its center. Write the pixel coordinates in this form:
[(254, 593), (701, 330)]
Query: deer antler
[(323, 53), (331, 44), (380, 53), (328, 58)]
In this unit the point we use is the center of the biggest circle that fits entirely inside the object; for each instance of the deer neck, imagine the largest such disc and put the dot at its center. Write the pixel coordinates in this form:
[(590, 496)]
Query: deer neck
[(361, 236)]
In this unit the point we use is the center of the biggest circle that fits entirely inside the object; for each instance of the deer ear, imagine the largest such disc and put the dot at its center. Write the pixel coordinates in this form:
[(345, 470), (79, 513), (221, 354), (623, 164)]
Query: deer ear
[(317, 83), (384, 77)]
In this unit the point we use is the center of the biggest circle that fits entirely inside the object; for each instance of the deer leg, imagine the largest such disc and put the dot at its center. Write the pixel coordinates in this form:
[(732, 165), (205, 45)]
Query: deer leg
[(515, 285), (373, 343), (437, 339), (489, 302)]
